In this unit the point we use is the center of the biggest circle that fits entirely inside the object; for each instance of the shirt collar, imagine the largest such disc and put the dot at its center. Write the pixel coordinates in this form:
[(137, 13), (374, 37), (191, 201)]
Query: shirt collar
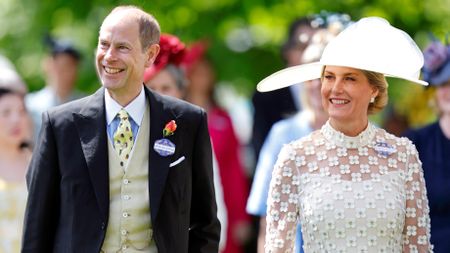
[(135, 108)]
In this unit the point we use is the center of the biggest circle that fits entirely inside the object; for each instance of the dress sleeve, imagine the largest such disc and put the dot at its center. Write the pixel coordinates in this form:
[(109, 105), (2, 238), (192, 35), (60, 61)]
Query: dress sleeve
[(416, 232), (282, 204)]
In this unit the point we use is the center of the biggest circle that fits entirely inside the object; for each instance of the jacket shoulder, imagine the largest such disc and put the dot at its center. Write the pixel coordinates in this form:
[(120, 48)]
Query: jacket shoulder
[(89, 104)]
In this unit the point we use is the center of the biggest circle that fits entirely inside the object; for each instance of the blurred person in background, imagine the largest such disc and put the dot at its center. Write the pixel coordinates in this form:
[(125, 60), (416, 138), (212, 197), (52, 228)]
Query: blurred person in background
[(167, 76), (200, 91), (60, 69), (15, 154), (273, 106), (433, 144), (310, 118)]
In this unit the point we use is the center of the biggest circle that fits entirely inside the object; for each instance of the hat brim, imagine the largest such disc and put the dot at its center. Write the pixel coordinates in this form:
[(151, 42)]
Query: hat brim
[(305, 72), (289, 76)]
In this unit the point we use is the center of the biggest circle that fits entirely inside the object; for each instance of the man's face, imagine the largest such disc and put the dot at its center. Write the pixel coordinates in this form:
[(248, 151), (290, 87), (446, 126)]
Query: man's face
[(120, 59), (63, 70)]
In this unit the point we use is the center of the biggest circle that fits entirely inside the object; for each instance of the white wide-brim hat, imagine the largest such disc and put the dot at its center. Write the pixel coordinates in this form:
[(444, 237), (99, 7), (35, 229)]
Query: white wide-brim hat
[(370, 44)]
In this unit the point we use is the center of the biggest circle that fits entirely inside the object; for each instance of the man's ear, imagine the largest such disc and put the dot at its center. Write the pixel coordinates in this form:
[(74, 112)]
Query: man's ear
[(152, 52)]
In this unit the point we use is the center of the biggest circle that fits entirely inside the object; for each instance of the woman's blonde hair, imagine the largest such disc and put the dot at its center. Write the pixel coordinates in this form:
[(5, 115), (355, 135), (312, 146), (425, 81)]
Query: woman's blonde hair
[(378, 81)]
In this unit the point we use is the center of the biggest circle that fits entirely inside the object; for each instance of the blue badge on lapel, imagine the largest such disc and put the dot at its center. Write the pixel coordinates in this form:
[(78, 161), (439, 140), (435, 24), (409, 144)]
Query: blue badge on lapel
[(164, 147), (384, 149)]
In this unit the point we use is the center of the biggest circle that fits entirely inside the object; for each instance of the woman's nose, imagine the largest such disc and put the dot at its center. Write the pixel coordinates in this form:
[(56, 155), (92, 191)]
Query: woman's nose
[(338, 85)]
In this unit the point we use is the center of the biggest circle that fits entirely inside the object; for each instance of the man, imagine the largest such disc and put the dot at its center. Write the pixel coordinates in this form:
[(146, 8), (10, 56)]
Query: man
[(140, 182), (60, 69)]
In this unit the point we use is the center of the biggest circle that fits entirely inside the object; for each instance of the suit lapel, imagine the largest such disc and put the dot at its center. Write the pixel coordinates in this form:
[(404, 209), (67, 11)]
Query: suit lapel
[(160, 115), (91, 128)]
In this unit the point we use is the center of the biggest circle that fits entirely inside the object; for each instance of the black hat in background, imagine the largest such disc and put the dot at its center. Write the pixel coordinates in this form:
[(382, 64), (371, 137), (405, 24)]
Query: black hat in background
[(61, 47)]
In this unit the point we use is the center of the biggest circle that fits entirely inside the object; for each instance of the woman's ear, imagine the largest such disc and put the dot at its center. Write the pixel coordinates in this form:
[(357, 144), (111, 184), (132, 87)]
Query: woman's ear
[(374, 92)]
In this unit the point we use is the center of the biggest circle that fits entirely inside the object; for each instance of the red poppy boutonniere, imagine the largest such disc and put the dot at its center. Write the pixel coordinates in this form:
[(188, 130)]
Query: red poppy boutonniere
[(170, 128)]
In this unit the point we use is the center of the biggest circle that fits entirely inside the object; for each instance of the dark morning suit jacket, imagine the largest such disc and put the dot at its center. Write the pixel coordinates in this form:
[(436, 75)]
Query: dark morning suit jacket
[(68, 202)]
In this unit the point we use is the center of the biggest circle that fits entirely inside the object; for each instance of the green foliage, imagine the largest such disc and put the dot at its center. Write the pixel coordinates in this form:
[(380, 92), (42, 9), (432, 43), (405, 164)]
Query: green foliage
[(245, 36)]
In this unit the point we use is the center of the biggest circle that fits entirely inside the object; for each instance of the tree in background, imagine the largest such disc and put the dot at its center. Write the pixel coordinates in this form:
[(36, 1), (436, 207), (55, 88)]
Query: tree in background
[(245, 35)]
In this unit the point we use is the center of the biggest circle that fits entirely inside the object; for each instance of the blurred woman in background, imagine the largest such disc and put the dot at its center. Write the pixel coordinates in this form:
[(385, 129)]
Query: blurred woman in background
[(15, 154), (226, 147), (166, 75)]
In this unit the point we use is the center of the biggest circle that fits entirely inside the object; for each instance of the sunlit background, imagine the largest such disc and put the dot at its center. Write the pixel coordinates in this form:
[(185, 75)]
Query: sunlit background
[(244, 35)]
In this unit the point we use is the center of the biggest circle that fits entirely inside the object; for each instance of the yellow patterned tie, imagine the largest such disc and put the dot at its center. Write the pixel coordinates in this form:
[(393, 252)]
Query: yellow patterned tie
[(123, 138)]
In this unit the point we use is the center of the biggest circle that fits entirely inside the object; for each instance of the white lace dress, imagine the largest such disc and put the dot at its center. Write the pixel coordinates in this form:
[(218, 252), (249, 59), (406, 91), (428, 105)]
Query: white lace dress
[(350, 194)]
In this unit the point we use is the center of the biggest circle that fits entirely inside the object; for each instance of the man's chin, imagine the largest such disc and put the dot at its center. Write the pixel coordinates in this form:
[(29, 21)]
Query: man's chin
[(108, 84)]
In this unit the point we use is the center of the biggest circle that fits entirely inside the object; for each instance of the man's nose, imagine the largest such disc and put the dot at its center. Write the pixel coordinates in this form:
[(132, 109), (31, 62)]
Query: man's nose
[(110, 54)]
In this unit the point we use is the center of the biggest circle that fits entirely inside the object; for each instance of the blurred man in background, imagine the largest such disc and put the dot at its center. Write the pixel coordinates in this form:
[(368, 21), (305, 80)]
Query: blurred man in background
[(60, 68)]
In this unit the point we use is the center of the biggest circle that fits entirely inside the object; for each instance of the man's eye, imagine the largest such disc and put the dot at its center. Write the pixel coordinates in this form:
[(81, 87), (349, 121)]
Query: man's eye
[(103, 44)]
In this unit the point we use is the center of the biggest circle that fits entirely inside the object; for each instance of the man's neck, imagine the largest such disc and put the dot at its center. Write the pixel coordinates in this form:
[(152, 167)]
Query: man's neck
[(124, 98)]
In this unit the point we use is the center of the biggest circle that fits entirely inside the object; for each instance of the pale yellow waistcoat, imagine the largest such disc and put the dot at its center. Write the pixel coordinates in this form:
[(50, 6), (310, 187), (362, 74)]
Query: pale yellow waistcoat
[(129, 225)]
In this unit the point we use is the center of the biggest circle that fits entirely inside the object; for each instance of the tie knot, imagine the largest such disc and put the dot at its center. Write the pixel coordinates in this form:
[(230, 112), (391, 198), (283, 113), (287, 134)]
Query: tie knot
[(123, 115)]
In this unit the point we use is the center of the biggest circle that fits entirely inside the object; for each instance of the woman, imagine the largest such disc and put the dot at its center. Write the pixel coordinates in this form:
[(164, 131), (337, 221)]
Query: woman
[(14, 158), (433, 144), (200, 90), (352, 186), (166, 75)]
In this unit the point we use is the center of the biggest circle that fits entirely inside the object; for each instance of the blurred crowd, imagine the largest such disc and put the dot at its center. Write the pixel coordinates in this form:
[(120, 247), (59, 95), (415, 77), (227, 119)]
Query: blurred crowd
[(247, 133)]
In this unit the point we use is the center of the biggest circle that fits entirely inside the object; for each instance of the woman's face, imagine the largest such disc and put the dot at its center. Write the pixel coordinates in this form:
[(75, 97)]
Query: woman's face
[(201, 77), (443, 98), (165, 83), (13, 119), (346, 94)]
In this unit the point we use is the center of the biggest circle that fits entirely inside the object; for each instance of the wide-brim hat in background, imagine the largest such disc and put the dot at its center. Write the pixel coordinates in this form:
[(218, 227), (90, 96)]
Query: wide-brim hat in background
[(370, 44)]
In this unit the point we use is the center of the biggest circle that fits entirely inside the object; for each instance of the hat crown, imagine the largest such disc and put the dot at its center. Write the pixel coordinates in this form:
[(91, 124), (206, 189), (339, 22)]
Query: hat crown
[(370, 44), (373, 44)]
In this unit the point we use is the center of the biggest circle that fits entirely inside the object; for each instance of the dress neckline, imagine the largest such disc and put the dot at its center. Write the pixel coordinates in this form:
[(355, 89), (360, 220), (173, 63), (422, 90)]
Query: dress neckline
[(340, 139)]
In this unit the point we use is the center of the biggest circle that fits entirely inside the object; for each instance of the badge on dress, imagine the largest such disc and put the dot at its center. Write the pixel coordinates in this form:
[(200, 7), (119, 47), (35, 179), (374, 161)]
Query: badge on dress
[(384, 149)]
